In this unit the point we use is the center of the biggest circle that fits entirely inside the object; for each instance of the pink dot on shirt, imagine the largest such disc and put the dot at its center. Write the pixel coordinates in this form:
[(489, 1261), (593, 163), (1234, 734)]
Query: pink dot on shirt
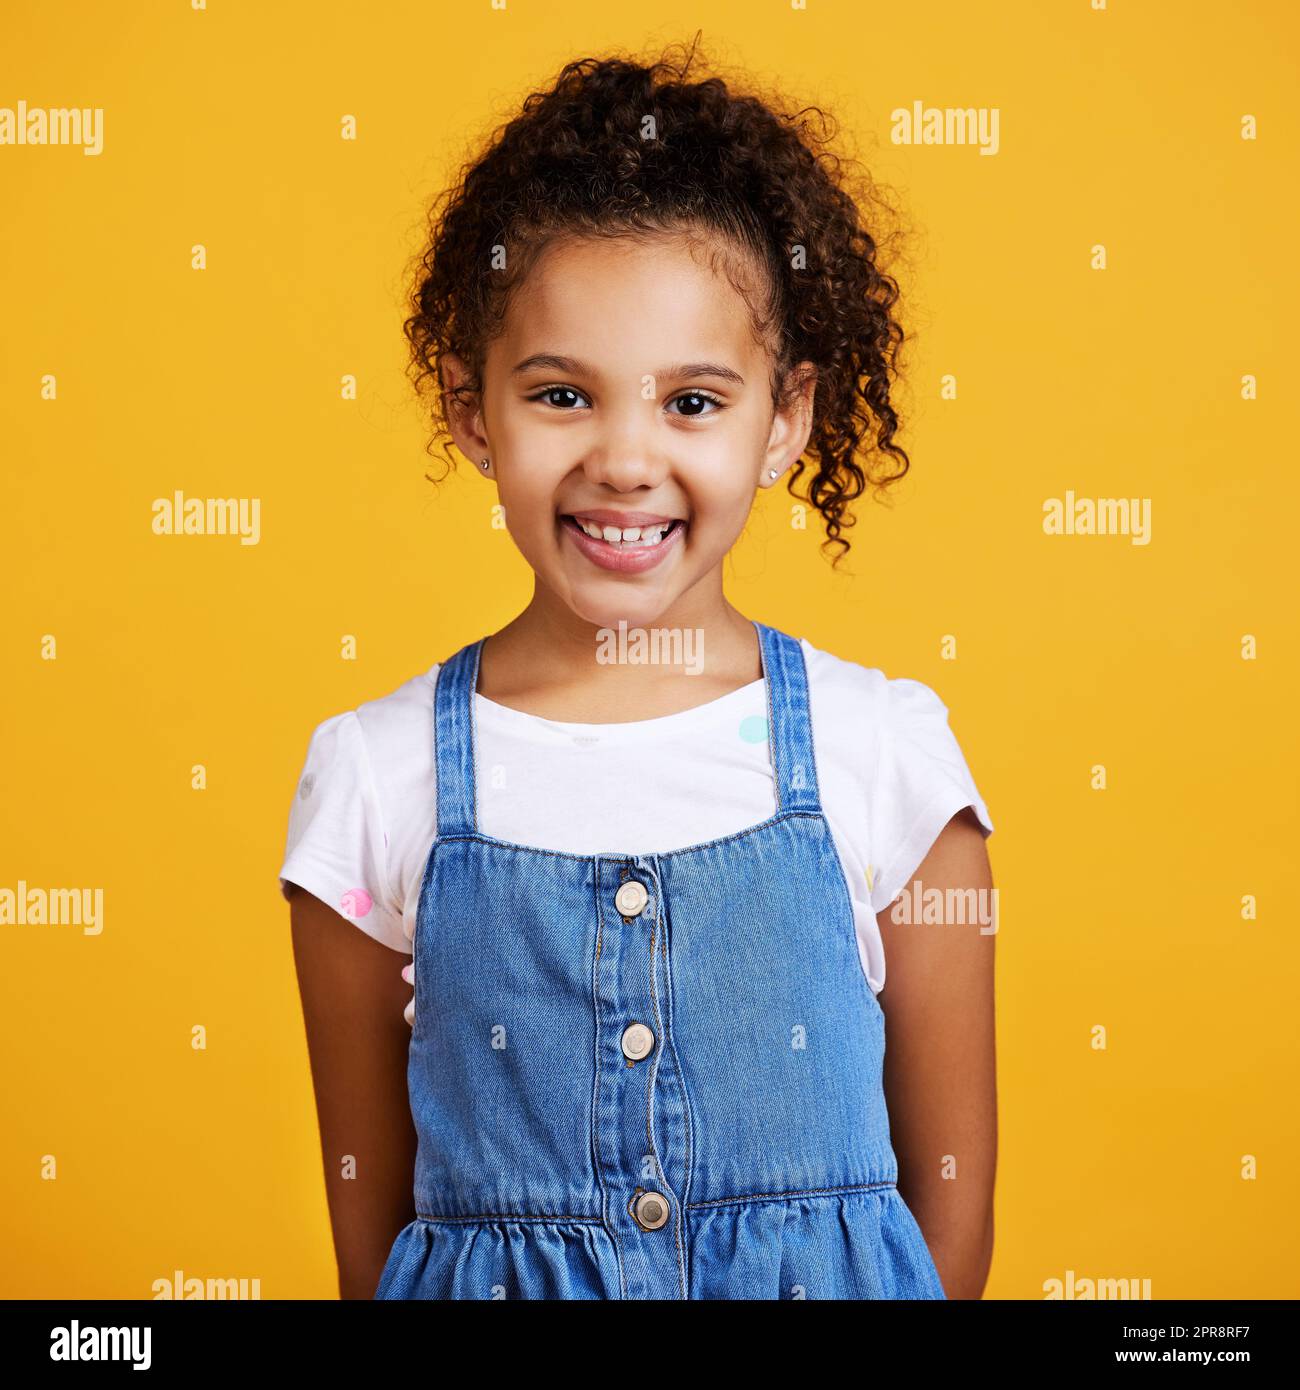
[(356, 902)]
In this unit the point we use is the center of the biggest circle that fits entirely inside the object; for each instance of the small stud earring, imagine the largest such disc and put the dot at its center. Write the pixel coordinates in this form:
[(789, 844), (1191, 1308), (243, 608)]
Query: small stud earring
[(485, 464), (771, 472)]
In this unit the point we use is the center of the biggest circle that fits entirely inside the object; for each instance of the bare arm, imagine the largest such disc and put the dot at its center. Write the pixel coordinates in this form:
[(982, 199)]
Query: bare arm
[(352, 1001), (940, 1082)]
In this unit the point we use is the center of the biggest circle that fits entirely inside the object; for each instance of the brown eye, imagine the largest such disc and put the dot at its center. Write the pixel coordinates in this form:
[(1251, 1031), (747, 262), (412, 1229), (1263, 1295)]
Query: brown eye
[(567, 396), (699, 400)]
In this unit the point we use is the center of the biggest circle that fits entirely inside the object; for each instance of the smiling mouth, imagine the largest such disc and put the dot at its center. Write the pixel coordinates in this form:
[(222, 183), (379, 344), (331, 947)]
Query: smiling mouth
[(627, 537), (624, 549)]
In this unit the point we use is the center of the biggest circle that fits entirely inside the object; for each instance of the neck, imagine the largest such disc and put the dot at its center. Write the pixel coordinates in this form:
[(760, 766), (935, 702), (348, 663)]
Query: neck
[(700, 648)]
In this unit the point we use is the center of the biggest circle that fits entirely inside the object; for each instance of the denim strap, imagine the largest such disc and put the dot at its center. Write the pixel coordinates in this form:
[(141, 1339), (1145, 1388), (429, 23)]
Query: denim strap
[(789, 721), (453, 733)]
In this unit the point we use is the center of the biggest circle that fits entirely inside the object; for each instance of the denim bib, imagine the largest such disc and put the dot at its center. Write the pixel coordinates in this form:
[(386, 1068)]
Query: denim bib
[(648, 1076)]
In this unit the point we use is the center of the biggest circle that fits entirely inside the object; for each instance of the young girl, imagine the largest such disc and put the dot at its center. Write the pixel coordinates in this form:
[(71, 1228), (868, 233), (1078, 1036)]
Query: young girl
[(642, 848)]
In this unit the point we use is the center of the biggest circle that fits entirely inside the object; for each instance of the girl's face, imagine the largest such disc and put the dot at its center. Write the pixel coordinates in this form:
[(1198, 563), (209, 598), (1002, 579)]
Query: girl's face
[(628, 417)]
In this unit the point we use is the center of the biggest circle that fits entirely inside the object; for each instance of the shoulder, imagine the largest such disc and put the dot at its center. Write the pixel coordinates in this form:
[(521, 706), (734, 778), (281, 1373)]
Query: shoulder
[(362, 812), (895, 731), (392, 724), (380, 727), (843, 689), (916, 772), (376, 759)]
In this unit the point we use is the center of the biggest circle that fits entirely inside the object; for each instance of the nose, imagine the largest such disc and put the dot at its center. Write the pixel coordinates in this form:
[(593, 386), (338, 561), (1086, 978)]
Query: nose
[(624, 455)]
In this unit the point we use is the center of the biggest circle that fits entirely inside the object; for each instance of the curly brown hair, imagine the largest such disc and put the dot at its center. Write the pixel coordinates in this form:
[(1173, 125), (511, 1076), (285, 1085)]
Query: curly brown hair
[(616, 147)]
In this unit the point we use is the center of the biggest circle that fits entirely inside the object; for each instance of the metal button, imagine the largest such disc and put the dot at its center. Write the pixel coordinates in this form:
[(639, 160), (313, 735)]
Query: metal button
[(631, 898), (638, 1041), (651, 1211)]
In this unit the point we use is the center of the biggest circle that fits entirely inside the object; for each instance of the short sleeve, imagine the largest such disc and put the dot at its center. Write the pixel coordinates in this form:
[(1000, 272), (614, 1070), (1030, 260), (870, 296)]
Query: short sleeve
[(336, 847), (922, 781)]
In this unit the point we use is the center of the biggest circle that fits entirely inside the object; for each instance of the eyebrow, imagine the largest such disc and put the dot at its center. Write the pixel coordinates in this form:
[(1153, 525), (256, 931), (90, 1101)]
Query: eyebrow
[(684, 371)]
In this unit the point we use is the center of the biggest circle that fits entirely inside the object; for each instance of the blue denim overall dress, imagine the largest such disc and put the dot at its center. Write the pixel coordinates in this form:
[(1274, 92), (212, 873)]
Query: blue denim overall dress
[(648, 1076)]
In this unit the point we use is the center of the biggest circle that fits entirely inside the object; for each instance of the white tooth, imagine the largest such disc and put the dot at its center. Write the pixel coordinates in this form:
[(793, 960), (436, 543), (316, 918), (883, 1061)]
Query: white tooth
[(630, 535)]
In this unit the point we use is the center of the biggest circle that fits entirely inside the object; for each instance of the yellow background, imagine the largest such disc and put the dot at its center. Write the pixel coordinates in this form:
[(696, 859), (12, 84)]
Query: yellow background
[(1119, 907)]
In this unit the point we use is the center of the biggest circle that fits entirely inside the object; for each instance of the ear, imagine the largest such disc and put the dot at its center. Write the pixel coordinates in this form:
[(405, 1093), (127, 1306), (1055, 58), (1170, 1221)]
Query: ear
[(463, 410), (791, 426)]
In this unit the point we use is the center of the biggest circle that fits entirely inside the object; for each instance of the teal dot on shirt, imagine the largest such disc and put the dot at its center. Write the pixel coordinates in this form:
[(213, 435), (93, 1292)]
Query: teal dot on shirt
[(753, 728)]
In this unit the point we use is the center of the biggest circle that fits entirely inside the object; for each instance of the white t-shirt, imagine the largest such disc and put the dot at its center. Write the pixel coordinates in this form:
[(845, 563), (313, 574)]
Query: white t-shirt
[(890, 773)]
